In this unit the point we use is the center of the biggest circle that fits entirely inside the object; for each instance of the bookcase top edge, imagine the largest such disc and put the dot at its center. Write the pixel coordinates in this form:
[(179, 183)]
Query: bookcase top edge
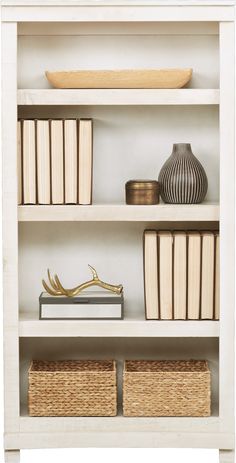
[(45, 3)]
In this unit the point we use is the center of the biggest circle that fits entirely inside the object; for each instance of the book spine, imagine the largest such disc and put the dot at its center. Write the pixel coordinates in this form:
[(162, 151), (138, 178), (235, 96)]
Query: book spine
[(194, 275), (207, 283), (151, 286), (85, 161), (29, 162), (19, 161), (217, 277), (166, 275), (180, 275), (57, 161), (43, 162), (71, 161)]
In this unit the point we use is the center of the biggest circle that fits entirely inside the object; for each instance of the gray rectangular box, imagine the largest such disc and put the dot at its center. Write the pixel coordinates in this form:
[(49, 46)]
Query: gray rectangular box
[(89, 305)]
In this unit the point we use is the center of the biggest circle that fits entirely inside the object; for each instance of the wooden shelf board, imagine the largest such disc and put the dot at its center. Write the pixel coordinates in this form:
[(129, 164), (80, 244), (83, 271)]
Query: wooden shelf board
[(118, 423), (120, 431), (118, 97), (31, 326), (120, 213)]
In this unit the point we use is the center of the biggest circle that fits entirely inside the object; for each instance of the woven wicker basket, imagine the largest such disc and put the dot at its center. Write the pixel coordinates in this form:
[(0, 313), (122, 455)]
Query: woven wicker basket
[(72, 388), (166, 388)]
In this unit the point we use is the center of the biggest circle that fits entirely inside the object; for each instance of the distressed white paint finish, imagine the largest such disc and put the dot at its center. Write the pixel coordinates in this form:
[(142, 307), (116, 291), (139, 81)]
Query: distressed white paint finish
[(10, 229), (213, 432), (110, 13), (119, 213), (118, 97), (118, 424), (111, 439), (226, 456), (12, 456), (118, 2), (30, 326), (227, 225)]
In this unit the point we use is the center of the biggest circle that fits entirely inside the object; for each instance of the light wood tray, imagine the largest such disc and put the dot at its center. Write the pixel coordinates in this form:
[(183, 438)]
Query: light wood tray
[(149, 78)]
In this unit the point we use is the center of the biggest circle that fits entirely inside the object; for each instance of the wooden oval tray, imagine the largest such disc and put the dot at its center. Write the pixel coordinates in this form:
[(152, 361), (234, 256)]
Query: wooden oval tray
[(146, 78)]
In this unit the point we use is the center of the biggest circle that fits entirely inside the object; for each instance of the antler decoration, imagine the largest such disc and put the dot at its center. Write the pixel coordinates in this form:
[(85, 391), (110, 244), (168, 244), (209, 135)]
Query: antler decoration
[(57, 289)]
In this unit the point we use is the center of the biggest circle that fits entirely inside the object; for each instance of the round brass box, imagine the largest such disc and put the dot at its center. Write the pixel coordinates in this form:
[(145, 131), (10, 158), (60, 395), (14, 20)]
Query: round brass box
[(142, 192)]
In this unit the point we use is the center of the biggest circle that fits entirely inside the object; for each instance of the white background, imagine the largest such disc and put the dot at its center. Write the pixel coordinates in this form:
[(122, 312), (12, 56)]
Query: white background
[(100, 455)]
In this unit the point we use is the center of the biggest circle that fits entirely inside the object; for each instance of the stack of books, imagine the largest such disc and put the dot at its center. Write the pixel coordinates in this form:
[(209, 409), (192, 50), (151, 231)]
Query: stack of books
[(55, 161), (181, 275)]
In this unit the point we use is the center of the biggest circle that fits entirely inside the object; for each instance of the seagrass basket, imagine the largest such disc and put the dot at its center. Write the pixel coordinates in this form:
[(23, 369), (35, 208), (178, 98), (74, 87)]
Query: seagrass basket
[(166, 388), (72, 388)]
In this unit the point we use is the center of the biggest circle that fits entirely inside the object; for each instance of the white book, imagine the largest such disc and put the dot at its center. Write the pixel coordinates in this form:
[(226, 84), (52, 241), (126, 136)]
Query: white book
[(71, 161), (43, 162), (85, 161), (151, 275), (217, 276), (165, 274), (180, 275), (194, 275), (57, 161), (29, 162), (207, 289), (19, 161)]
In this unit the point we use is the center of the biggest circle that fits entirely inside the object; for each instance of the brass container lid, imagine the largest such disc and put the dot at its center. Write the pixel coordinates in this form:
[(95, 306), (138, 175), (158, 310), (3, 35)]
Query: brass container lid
[(142, 185)]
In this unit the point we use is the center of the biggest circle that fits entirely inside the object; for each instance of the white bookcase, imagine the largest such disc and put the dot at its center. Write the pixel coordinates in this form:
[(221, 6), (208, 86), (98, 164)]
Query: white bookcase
[(133, 134)]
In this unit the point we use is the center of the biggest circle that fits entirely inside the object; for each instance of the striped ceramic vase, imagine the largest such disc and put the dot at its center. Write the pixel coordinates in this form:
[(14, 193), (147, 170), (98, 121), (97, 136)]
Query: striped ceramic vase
[(182, 178)]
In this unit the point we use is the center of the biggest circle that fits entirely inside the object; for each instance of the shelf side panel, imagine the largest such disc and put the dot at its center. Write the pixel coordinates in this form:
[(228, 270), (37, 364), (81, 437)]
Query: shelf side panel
[(10, 226), (227, 208)]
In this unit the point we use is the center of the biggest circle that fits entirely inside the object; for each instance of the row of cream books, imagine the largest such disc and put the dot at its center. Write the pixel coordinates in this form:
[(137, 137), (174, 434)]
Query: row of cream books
[(55, 161), (181, 275)]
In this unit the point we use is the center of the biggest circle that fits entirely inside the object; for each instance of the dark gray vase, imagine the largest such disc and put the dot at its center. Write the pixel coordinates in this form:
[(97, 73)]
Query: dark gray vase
[(182, 178)]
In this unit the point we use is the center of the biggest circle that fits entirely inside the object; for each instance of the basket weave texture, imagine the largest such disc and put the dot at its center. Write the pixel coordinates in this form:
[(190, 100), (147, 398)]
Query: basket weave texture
[(166, 388), (72, 388)]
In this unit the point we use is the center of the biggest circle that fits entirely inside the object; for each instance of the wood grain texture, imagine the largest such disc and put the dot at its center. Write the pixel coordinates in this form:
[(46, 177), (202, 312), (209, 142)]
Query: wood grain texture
[(132, 439), (148, 78), (212, 432), (10, 228), (227, 225)]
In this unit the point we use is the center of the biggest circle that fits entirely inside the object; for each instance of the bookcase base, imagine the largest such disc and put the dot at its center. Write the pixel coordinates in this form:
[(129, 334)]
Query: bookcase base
[(226, 456), (120, 439), (12, 456)]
